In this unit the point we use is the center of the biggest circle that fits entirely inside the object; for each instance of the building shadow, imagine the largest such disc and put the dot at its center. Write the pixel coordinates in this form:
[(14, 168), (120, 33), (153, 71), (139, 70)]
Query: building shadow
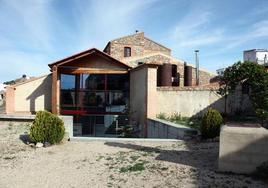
[(190, 156), (44, 89)]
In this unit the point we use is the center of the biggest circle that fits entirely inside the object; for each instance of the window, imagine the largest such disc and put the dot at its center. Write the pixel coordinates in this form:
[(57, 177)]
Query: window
[(68, 90), (127, 51)]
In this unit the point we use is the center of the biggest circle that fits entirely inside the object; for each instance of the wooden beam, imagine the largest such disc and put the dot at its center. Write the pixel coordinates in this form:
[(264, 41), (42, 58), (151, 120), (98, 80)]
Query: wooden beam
[(70, 70), (55, 91), (74, 58)]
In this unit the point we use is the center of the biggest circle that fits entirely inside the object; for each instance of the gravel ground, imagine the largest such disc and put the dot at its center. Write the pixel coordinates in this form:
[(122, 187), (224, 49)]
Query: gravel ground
[(111, 164)]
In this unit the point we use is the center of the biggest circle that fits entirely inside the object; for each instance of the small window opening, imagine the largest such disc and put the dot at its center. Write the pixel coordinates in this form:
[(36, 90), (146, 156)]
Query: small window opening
[(127, 51)]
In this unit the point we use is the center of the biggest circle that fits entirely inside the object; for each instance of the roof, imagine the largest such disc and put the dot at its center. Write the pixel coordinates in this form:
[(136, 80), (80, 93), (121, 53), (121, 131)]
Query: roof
[(83, 54), (27, 81), (257, 50), (131, 61)]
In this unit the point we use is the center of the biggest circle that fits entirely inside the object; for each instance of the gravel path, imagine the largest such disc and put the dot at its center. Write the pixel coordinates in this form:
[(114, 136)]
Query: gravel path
[(111, 164)]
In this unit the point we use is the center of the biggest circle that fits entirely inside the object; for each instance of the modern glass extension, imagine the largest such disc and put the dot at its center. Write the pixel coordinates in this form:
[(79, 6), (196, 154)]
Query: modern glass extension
[(99, 103)]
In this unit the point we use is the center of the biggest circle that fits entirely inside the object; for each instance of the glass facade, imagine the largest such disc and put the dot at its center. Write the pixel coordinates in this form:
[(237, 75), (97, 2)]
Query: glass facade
[(98, 102)]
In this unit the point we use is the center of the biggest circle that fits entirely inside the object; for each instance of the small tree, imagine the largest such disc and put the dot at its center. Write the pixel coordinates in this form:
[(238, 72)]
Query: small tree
[(256, 77), (47, 127), (211, 124)]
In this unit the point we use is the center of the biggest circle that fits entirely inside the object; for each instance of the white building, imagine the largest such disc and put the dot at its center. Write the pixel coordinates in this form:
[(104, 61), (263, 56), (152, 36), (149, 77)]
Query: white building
[(259, 56), (220, 72), (2, 93)]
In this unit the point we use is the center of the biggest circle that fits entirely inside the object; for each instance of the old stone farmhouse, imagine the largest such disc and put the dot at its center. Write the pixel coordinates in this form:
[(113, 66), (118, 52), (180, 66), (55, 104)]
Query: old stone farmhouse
[(133, 77)]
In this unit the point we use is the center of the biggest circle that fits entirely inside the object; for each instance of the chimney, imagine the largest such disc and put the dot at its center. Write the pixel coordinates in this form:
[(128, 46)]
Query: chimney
[(197, 66)]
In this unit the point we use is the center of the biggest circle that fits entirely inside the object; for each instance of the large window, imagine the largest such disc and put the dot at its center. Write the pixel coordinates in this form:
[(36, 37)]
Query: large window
[(127, 51), (68, 91), (94, 93), (98, 103)]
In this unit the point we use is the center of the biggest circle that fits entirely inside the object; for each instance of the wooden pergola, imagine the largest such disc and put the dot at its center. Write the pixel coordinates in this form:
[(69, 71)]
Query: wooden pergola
[(92, 61)]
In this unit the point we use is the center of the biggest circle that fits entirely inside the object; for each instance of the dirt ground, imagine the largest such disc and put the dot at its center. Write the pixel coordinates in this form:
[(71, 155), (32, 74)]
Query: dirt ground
[(111, 164)]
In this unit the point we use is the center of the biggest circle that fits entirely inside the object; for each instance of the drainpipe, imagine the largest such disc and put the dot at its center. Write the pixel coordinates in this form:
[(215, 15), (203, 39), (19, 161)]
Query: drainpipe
[(197, 66)]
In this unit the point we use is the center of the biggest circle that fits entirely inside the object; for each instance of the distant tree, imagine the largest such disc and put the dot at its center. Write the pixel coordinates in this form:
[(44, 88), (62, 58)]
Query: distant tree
[(256, 77), (11, 82)]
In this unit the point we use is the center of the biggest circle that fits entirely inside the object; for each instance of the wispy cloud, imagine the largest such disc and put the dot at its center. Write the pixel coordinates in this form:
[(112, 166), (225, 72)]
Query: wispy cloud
[(35, 33), (192, 31)]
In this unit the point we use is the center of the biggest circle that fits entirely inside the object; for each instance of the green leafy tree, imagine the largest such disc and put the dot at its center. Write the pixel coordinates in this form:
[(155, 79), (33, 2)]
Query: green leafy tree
[(256, 77)]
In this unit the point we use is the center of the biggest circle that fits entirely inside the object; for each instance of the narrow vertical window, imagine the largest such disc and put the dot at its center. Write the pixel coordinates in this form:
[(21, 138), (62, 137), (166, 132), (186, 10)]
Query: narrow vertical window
[(127, 51)]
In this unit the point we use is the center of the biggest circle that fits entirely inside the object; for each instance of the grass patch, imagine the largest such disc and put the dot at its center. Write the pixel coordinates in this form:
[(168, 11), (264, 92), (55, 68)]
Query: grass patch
[(194, 123), (99, 158), (134, 157), (136, 167)]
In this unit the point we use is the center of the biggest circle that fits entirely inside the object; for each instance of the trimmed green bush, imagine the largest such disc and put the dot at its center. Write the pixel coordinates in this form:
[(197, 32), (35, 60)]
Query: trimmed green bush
[(47, 127), (211, 124)]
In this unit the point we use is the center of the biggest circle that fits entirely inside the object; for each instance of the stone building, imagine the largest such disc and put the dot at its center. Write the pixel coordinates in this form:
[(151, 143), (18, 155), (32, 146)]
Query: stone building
[(137, 49), (131, 80)]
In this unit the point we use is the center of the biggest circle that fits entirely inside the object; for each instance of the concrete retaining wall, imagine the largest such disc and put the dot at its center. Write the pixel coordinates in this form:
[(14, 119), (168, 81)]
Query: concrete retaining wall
[(158, 128), (242, 149), (68, 121)]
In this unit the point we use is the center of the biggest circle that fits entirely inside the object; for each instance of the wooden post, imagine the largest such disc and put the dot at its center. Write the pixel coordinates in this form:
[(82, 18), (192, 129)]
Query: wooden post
[(55, 90)]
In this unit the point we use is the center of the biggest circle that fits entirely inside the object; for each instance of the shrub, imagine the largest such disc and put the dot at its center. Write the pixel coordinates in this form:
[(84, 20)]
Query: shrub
[(162, 116), (47, 127), (211, 123)]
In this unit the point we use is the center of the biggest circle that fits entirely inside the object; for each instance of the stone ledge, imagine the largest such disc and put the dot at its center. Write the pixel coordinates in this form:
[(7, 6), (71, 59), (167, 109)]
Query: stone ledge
[(242, 149), (190, 88)]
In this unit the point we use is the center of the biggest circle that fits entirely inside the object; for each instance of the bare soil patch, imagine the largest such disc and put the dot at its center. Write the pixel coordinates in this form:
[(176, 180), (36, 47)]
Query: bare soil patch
[(111, 164)]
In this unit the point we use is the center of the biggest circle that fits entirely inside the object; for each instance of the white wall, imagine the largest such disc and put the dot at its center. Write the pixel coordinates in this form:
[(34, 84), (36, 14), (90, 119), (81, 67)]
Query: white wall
[(255, 56)]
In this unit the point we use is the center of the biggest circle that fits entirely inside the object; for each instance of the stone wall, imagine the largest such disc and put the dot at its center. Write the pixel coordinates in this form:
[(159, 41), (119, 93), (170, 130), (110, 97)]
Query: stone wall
[(139, 46), (151, 46), (242, 149), (145, 50)]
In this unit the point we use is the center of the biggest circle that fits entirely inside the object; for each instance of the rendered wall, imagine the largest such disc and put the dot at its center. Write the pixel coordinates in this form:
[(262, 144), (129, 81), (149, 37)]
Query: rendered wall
[(142, 95), (138, 90), (194, 101), (30, 96), (242, 149), (187, 102)]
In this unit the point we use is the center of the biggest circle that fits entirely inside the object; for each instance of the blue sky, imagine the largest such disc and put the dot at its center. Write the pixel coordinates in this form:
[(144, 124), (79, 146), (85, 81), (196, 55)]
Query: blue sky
[(34, 33)]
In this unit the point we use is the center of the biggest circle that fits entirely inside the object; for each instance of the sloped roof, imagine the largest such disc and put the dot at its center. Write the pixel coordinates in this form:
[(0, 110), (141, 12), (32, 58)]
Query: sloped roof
[(27, 81), (86, 53), (131, 61)]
